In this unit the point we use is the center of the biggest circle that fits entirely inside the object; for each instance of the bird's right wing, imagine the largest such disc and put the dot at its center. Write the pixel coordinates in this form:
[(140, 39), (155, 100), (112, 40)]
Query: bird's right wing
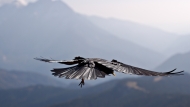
[(128, 69), (139, 71), (69, 62)]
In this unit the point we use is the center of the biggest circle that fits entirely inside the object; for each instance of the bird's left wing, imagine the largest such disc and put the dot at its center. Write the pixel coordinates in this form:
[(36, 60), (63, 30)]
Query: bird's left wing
[(128, 69), (80, 71), (68, 62)]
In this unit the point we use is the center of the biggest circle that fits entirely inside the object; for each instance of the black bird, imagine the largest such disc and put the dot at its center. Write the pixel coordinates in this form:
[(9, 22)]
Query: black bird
[(92, 68)]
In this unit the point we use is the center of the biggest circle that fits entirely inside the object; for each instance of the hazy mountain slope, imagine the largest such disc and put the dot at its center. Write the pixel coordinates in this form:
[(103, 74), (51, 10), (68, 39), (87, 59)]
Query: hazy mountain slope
[(147, 91), (42, 96), (181, 45), (142, 92), (143, 35), (34, 96), (180, 61), (142, 100), (16, 79), (52, 29)]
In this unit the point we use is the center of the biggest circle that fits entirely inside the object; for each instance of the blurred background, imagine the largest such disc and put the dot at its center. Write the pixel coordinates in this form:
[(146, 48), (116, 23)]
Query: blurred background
[(150, 34)]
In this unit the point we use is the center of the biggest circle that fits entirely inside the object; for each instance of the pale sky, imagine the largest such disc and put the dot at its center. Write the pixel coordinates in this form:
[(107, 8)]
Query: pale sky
[(169, 15)]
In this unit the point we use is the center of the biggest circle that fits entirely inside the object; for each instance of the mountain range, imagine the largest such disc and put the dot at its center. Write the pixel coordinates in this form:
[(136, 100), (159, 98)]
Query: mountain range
[(140, 92), (51, 29)]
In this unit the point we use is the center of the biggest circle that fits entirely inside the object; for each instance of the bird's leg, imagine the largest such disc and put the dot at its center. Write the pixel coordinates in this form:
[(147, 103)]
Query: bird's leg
[(81, 83)]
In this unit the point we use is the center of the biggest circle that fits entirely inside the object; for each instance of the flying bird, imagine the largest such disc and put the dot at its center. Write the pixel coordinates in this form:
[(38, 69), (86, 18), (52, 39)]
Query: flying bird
[(93, 68)]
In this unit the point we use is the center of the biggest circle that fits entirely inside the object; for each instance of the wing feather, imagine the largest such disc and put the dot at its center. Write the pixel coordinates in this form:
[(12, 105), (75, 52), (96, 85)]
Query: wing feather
[(68, 62), (128, 69), (121, 67), (94, 74), (79, 72)]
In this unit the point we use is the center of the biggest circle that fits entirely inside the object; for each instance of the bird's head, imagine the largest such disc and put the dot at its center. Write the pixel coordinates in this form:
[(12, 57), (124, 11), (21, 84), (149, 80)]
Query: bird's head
[(114, 60), (78, 58)]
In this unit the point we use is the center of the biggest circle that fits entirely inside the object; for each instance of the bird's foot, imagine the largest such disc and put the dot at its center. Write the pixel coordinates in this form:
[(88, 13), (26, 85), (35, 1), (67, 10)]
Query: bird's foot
[(81, 83)]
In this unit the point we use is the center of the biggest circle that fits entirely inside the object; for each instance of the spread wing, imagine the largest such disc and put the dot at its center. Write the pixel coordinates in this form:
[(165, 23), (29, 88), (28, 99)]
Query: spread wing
[(80, 71), (69, 62), (128, 69)]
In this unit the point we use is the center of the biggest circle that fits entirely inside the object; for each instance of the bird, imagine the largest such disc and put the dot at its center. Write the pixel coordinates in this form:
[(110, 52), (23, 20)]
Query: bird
[(93, 68)]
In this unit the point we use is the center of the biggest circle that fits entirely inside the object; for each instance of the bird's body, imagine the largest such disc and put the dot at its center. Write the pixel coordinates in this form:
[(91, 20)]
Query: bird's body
[(93, 68)]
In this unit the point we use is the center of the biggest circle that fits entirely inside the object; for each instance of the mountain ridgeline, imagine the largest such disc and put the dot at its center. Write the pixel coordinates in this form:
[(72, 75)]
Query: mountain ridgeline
[(150, 37), (179, 61), (181, 45), (17, 79)]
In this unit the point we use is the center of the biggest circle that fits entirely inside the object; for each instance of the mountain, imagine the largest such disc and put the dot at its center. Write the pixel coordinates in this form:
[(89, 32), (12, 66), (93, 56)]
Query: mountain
[(51, 29), (137, 92), (142, 92), (38, 96), (42, 96), (180, 61), (142, 100), (181, 45), (17, 79), (140, 34)]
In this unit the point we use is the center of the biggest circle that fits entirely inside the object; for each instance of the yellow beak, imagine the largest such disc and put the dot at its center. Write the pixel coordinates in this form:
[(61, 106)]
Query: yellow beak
[(113, 74)]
